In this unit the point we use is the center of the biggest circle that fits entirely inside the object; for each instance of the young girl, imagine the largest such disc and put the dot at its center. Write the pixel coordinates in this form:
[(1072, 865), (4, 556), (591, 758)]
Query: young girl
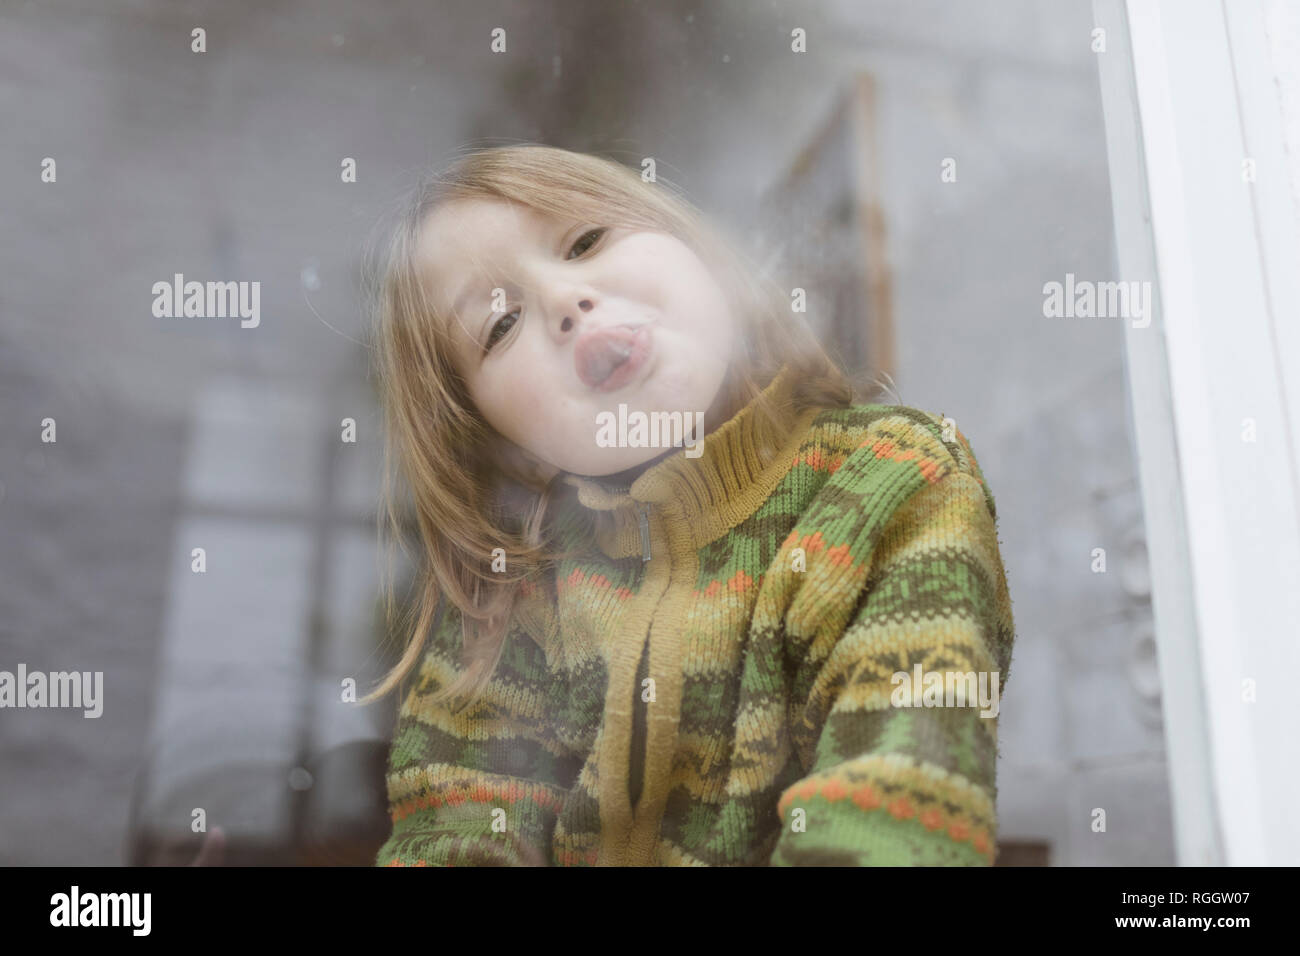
[(681, 600)]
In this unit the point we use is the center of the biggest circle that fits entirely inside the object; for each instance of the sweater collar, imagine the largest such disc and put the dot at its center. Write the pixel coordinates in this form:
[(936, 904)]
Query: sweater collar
[(703, 498)]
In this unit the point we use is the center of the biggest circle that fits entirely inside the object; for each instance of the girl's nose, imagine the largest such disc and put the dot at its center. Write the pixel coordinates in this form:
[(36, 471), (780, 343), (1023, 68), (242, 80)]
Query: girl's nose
[(567, 323)]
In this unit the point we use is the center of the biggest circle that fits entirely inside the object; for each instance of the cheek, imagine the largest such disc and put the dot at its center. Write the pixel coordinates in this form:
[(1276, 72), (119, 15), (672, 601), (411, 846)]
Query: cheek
[(711, 322), (654, 267), (694, 291), (527, 410), (508, 403)]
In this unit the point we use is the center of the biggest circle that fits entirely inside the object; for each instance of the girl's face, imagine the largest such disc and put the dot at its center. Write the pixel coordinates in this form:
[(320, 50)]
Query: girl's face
[(555, 322)]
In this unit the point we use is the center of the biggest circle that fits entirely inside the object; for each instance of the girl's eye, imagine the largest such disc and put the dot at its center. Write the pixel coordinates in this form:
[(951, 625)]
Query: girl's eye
[(598, 232), (500, 326)]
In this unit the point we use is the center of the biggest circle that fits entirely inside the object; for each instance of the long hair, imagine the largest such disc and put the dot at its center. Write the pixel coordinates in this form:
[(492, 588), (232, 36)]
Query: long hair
[(469, 494)]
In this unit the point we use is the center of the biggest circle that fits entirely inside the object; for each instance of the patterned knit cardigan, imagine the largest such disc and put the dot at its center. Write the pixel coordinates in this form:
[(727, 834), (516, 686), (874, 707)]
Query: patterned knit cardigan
[(738, 697)]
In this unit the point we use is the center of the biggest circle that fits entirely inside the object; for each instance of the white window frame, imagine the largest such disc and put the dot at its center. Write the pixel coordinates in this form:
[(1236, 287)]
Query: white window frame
[(1189, 90)]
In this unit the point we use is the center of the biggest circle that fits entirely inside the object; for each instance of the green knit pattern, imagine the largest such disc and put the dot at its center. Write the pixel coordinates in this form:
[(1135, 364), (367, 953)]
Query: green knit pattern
[(876, 552)]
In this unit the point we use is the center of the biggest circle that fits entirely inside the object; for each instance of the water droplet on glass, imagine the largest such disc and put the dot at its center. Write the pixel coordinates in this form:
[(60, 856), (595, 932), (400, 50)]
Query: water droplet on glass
[(300, 779), (310, 277)]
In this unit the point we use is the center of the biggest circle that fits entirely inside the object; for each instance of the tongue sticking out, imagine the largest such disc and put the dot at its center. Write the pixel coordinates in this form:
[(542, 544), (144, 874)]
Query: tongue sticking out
[(597, 354)]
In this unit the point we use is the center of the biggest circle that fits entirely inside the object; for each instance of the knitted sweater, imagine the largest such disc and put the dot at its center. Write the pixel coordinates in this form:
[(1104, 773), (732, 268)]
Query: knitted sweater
[(732, 700)]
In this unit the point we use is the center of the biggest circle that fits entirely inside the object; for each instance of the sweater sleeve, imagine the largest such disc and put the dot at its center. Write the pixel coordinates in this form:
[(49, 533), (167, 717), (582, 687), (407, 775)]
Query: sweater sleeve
[(894, 777), (481, 786)]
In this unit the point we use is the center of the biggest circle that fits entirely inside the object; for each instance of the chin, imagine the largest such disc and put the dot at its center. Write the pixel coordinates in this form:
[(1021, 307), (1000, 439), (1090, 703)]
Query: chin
[(606, 466), (621, 459)]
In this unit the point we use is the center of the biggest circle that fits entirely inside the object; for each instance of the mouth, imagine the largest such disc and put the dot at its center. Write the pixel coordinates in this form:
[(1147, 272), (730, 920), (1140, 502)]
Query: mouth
[(608, 358)]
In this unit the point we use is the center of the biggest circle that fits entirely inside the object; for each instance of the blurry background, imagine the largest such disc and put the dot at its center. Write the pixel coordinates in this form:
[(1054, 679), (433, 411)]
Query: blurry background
[(222, 690)]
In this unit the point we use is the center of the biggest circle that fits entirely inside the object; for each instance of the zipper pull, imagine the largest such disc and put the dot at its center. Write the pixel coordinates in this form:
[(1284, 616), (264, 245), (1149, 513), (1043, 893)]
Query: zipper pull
[(644, 520)]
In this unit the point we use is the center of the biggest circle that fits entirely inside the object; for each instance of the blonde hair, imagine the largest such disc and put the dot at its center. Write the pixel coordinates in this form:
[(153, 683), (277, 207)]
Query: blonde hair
[(469, 497)]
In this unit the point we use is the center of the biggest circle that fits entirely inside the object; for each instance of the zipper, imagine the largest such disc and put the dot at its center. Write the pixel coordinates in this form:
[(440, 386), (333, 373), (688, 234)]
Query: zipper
[(636, 772), (636, 779), (643, 518)]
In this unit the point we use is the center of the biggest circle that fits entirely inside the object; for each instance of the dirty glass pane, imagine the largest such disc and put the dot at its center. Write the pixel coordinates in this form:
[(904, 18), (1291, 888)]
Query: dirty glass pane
[(926, 182)]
